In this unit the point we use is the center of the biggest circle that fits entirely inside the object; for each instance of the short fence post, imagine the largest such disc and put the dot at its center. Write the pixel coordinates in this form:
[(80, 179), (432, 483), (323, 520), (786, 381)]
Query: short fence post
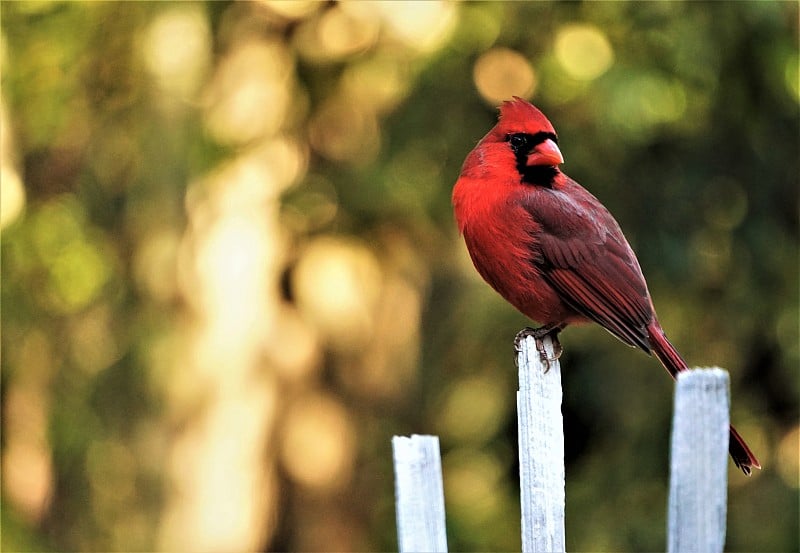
[(699, 462), (419, 496), (541, 450)]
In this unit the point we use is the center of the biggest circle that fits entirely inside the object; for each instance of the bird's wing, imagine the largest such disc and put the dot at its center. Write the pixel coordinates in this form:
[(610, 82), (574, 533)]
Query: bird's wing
[(584, 256)]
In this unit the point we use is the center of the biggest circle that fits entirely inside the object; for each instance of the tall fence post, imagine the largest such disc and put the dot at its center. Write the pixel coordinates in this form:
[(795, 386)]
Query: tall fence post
[(419, 496), (541, 450), (699, 462)]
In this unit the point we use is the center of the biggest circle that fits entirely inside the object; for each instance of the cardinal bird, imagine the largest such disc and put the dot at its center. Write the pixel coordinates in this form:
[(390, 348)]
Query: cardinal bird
[(550, 248)]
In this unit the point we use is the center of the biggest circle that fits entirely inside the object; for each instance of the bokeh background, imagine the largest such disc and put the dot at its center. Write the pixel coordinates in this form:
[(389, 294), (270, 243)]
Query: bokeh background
[(230, 270)]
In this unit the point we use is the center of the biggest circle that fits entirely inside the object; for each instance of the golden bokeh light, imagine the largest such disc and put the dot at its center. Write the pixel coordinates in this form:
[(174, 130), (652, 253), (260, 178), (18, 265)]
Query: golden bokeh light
[(377, 82), (343, 130), (318, 442), (293, 347), (339, 32), (292, 9), (27, 464), (285, 161), (177, 49), (583, 51), (233, 256), (155, 263), (224, 494), (12, 194), (388, 367), (12, 191), (502, 73), (93, 346), (421, 25), (337, 283), (250, 92), (788, 458), (28, 477), (237, 245)]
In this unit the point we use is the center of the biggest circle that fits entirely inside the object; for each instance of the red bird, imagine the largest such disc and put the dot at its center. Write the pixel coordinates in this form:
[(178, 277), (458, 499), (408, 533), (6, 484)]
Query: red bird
[(551, 248)]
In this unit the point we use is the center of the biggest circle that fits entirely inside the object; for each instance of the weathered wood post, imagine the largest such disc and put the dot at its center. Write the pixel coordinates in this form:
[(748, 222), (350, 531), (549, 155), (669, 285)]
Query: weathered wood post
[(541, 450), (699, 462), (419, 495)]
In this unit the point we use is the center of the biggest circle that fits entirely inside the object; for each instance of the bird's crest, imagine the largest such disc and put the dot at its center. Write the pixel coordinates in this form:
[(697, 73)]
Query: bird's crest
[(519, 115)]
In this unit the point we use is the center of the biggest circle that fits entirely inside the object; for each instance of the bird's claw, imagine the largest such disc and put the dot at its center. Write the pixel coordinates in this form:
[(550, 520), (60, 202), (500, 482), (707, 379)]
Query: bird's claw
[(538, 335)]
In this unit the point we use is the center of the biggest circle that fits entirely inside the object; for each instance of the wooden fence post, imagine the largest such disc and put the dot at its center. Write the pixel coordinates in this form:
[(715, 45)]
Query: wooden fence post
[(541, 450), (699, 462), (419, 496)]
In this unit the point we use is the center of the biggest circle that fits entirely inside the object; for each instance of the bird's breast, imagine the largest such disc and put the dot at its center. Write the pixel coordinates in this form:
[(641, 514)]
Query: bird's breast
[(501, 239)]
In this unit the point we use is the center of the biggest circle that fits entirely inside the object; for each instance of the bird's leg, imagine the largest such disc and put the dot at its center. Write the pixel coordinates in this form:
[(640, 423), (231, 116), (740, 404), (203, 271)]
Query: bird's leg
[(538, 335)]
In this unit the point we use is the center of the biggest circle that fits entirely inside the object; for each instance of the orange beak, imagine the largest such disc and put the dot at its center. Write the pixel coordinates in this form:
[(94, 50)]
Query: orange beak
[(546, 153)]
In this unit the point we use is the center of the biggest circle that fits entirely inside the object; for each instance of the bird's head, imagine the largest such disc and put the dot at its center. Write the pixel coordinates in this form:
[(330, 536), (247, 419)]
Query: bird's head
[(529, 135), (522, 146)]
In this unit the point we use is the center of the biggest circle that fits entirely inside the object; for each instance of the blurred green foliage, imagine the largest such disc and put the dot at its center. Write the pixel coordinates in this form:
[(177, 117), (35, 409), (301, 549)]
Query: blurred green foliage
[(683, 118)]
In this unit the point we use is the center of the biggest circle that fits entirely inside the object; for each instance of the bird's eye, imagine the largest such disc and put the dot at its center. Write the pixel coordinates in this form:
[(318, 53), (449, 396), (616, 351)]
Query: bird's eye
[(519, 142)]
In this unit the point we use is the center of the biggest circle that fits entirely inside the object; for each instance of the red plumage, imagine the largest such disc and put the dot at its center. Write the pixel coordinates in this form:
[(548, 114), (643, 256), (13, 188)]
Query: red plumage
[(550, 247)]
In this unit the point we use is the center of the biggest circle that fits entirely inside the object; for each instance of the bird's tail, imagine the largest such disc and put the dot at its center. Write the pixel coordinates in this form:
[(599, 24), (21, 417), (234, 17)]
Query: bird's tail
[(674, 363)]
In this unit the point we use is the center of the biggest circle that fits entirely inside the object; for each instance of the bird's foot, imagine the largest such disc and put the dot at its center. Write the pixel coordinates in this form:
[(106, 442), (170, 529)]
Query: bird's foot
[(538, 335)]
